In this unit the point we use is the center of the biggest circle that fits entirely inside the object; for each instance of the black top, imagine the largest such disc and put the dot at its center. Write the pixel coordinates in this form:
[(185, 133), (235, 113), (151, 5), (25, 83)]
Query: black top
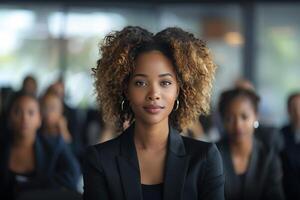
[(240, 186), (21, 181), (262, 179), (291, 163), (152, 192), (55, 167), (193, 170)]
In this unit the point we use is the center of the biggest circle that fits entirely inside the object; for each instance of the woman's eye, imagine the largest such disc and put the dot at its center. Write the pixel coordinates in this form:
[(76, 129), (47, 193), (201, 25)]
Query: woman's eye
[(244, 116), (140, 83), (166, 83)]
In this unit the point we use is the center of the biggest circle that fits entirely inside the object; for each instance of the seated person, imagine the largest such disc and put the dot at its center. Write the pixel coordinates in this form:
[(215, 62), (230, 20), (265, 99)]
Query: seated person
[(27, 160), (252, 170), (54, 122), (290, 154)]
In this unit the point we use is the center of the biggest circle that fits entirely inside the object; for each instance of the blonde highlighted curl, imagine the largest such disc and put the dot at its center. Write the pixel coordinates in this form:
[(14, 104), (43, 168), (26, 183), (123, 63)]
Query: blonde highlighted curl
[(191, 59)]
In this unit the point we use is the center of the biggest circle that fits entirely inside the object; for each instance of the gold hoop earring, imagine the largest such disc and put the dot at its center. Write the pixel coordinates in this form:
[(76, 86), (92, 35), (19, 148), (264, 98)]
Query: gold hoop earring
[(177, 105), (122, 105)]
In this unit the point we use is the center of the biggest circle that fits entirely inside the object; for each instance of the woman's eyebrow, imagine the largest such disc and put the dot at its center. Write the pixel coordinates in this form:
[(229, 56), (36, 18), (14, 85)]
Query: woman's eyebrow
[(160, 75), (166, 74)]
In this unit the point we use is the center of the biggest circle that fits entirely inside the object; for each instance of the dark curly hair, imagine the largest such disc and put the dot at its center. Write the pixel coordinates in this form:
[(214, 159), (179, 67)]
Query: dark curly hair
[(228, 96), (190, 57)]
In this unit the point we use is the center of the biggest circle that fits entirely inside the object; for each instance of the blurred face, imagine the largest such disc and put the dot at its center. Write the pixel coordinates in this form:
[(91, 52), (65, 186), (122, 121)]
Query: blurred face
[(294, 110), (153, 88), (30, 86), (52, 110), (59, 89), (25, 116), (239, 119)]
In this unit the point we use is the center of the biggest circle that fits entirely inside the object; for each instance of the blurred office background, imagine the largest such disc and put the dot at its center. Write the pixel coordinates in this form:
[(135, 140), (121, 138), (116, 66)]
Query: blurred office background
[(259, 41), (59, 40)]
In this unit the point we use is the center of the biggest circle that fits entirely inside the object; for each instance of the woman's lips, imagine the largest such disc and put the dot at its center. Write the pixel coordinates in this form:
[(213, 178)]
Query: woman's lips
[(153, 109)]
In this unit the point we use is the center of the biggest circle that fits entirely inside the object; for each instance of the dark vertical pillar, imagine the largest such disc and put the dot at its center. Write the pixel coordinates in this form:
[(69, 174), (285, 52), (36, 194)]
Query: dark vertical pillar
[(249, 53)]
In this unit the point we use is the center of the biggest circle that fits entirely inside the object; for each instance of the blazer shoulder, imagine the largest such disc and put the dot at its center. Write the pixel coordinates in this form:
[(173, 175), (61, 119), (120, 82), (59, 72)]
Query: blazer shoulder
[(107, 148), (97, 154), (198, 147)]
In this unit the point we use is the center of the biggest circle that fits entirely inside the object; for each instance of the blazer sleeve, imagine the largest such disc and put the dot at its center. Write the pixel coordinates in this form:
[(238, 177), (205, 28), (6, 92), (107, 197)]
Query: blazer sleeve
[(67, 168), (95, 186), (213, 179), (273, 185)]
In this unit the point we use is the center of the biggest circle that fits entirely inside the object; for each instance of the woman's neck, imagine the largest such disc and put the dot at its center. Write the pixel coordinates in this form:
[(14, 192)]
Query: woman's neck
[(23, 142), (51, 130), (151, 137), (242, 147)]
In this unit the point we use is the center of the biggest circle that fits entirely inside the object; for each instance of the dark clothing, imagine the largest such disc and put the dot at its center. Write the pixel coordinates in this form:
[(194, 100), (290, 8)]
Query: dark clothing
[(74, 126), (291, 163), (262, 179), (55, 167), (240, 186), (271, 137), (152, 192), (193, 170)]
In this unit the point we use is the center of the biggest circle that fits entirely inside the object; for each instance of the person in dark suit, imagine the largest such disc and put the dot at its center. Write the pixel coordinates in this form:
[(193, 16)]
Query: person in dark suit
[(159, 84), (291, 150), (252, 169), (29, 161)]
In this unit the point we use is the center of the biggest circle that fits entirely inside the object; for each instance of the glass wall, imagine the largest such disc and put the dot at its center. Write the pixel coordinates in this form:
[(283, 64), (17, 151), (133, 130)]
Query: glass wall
[(45, 41), (278, 60), (28, 45)]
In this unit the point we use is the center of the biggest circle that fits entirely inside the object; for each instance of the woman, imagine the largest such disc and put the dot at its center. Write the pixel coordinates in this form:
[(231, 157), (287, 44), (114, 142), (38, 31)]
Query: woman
[(159, 83), (54, 122), (252, 170), (28, 161)]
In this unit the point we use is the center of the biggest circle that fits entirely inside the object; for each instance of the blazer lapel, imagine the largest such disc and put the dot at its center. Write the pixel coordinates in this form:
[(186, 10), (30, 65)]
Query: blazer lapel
[(230, 175), (175, 171), (176, 166), (129, 167), (252, 175)]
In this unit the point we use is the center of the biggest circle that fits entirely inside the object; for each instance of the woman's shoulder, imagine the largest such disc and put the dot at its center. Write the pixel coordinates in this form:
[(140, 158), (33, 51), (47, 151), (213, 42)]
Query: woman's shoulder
[(198, 147), (105, 148)]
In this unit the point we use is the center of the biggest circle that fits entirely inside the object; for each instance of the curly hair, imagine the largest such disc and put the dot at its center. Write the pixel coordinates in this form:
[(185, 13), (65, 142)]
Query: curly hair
[(190, 57)]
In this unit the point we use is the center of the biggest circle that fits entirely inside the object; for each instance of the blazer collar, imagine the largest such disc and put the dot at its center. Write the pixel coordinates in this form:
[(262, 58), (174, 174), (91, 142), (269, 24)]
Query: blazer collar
[(251, 173), (175, 167)]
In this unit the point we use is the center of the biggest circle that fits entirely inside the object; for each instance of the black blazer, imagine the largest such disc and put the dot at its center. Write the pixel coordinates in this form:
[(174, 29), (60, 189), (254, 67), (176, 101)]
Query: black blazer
[(55, 167), (290, 164), (263, 176), (193, 170)]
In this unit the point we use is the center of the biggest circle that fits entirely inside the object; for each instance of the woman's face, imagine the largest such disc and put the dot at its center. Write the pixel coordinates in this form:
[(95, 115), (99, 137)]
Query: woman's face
[(239, 119), (52, 110), (294, 110), (153, 88), (25, 116)]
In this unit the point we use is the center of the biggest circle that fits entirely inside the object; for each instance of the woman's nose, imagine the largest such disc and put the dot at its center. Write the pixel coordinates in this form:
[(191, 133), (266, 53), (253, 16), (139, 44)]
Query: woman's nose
[(153, 94)]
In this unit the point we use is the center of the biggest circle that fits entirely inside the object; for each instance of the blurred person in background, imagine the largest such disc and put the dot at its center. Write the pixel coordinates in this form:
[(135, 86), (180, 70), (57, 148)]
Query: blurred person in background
[(252, 170), (268, 134), (71, 115), (30, 85), (28, 161), (291, 151), (54, 122)]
